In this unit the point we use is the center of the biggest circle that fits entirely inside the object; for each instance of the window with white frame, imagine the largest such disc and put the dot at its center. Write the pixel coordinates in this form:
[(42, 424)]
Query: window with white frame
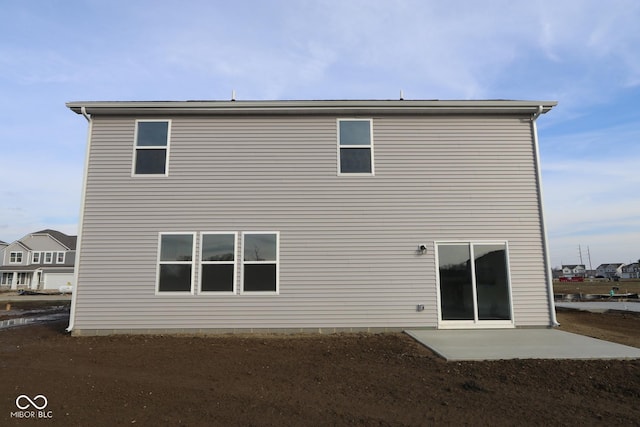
[(355, 146), (260, 262), (23, 279), (15, 257), (48, 257), (35, 257), (175, 262), (60, 258), (151, 147), (218, 265)]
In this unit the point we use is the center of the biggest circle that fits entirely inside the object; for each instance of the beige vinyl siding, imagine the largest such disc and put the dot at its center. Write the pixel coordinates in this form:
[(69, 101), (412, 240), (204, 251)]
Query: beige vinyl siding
[(348, 244)]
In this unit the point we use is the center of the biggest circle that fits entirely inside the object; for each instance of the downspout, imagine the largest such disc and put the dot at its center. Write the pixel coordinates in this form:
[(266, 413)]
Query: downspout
[(545, 240), (74, 294)]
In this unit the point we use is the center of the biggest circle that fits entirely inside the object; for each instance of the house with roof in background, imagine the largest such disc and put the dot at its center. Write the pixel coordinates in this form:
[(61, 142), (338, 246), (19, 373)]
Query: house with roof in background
[(223, 216), (631, 271), (610, 270), (574, 270), (38, 261)]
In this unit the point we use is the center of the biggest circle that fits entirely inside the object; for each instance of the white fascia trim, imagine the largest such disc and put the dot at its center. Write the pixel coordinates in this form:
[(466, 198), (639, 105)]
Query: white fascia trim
[(343, 107)]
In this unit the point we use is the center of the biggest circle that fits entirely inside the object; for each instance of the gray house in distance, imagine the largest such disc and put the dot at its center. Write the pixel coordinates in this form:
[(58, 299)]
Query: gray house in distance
[(43, 260), (218, 216)]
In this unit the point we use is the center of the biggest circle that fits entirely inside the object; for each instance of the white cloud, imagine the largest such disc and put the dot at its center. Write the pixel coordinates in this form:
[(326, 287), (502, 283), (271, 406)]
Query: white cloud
[(593, 203)]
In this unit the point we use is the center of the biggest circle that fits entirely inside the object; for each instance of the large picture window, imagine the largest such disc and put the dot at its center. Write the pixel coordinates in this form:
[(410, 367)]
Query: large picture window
[(355, 146), (474, 282), (218, 265), (260, 262), (175, 264), (151, 147)]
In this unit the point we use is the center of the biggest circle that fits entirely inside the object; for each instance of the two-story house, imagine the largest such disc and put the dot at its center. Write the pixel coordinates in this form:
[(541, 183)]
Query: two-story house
[(41, 260), (610, 270), (631, 271), (217, 216)]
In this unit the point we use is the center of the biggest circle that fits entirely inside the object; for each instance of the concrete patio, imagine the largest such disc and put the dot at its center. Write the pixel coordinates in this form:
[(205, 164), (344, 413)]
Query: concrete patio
[(498, 344)]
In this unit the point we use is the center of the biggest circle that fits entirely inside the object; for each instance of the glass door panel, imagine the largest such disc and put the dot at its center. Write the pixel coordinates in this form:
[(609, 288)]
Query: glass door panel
[(492, 283), (456, 285)]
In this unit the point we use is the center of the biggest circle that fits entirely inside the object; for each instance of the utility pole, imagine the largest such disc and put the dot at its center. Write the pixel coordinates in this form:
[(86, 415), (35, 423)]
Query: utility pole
[(580, 252)]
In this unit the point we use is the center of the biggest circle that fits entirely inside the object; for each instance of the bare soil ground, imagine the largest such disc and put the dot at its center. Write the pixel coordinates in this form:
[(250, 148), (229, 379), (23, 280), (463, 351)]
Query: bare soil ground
[(597, 286), (310, 380)]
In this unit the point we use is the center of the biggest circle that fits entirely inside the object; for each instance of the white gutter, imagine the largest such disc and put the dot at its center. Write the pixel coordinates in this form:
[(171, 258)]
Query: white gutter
[(74, 295), (545, 240)]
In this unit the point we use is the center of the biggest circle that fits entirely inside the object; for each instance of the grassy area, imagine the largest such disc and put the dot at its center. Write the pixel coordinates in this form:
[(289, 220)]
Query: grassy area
[(596, 286)]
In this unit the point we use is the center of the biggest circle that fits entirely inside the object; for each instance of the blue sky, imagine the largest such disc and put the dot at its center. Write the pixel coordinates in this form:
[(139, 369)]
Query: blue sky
[(585, 54)]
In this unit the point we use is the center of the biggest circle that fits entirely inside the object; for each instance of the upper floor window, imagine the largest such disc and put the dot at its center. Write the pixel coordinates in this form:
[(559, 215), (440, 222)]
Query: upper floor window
[(15, 257), (355, 146), (60, 258), (36, 257), (151, 147), (48, 257)]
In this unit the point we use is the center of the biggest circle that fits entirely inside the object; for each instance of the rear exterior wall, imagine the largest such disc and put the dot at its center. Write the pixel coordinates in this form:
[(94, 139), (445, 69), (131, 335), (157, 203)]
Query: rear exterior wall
[(348, 255)]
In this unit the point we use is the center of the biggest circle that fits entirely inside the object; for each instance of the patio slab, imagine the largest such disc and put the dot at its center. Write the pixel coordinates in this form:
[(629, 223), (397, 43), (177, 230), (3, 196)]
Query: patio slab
[(500, 344)]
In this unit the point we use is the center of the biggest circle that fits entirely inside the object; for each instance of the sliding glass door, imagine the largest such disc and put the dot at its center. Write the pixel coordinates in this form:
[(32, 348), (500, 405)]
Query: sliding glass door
[(474, 286)]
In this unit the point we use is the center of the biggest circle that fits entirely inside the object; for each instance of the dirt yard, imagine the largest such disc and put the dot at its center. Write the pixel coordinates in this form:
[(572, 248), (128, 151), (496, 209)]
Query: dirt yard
[(597, 286), (307, 380)]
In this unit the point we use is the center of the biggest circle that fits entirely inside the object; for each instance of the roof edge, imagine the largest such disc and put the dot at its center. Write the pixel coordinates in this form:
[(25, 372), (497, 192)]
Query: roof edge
[(312, 107)]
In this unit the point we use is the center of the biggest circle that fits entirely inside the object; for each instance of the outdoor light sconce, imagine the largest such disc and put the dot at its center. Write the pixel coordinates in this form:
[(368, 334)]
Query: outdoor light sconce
[(422, 248)]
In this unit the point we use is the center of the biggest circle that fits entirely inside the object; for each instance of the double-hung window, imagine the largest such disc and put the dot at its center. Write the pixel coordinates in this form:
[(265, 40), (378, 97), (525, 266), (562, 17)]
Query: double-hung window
[(35, 258), (260, 262), (175, 262), (151, 154), (355, 146), (218, 265), (15, 257), (60, 258), (48, 257)]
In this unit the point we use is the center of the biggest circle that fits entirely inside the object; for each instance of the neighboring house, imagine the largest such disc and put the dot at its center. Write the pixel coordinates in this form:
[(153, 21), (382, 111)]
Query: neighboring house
[(610, 270), (631, 271), (41, 260), (574, 270), (211, 216)]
